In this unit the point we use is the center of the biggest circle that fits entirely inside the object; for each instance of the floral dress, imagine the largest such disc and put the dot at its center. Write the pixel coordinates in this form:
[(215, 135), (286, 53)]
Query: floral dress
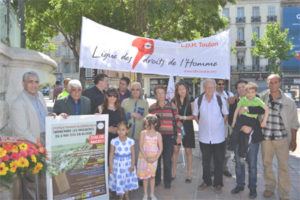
[(122, 180), (146, 170)]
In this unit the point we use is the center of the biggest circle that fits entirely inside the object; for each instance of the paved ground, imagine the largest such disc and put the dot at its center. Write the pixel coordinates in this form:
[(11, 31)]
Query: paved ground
[(182, 191)]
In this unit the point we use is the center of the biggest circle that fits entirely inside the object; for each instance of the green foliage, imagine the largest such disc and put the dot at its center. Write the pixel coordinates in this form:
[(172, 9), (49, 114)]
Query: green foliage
[(273, 46), (171, 20)]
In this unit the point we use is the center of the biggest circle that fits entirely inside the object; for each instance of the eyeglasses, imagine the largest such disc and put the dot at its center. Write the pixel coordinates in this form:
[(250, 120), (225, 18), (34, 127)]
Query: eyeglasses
[(221, 83)]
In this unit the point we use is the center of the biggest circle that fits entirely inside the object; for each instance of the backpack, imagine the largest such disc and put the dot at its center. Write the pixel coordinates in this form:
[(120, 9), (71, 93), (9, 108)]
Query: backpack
[(200, 101)]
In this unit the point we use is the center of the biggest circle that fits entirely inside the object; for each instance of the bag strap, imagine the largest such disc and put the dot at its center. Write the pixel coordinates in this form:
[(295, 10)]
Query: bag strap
[(219, 99)]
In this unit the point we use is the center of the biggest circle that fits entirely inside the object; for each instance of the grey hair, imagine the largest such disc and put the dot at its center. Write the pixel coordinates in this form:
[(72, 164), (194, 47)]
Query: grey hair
[(74, 83), (30, 74), (209, 80), (137, 84)]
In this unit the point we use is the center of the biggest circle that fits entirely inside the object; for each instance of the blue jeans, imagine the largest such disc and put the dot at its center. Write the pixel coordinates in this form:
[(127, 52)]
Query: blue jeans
[(252, 166)]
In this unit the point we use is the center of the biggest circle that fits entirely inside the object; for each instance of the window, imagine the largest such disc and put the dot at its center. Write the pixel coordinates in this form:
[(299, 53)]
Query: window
[(255, 11), (240, 12), (88, 72), (225, 12), (57, 52), (67, 68), (240, 33), (255, 63), (255, 29), (271, 11), (240, 59)]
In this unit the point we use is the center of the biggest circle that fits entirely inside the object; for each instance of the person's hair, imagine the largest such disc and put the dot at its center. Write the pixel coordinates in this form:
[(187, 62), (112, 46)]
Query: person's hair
[(124, 78), (136, 83), (152, 120), (273, 76), (251, 86), (240, 81), (99, 77), (217, 80), (57, 83), (30, 74), (67, 80), (176, 98), (74, 83), (125, 123), (113, 92), (209, 80), (160, 87)]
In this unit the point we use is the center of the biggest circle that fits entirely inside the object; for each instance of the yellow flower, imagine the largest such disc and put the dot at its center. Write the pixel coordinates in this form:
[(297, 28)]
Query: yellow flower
[(13, 166), (33, 158), (23, 146), (2, 152), (15, 149), (3, 169), (37, 168), (23, 162)]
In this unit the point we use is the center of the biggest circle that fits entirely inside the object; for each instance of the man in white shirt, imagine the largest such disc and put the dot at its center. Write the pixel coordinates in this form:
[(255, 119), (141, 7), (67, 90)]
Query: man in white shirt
[(211, 117), (229, 98)]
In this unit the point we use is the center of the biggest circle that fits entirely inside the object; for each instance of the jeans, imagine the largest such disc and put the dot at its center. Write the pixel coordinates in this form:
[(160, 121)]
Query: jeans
[(168, 145), (252, 166), (215, 152)]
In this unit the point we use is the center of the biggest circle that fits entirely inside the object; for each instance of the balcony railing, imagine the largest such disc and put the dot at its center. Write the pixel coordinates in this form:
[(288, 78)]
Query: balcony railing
[(272, 18), (240, 43), (249, 68), (255, 19), (240, 19)]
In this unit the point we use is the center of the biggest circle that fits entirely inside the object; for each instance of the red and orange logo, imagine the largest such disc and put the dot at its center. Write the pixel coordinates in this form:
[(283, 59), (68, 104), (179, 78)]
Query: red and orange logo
[(145, 46)]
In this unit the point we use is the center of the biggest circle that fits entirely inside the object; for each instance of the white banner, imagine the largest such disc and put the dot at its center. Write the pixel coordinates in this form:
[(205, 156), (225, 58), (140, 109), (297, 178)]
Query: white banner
[(106, 48)]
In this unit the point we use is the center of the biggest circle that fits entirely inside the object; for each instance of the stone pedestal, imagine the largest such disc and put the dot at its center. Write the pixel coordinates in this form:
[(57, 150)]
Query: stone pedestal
[(14, 62)]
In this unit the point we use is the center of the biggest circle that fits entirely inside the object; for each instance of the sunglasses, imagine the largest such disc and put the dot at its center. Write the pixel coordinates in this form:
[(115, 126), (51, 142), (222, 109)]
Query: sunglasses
[(112, 95), (221, 83)]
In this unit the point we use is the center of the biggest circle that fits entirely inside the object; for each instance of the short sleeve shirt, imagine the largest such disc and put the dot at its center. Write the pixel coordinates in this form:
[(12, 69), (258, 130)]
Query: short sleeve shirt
[(245, 102)]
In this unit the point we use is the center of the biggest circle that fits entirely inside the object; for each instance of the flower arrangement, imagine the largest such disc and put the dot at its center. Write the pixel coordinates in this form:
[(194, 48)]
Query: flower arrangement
[(20, 157)]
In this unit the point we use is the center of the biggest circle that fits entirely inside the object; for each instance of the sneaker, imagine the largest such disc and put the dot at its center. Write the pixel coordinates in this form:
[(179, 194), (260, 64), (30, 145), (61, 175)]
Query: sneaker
[(252, 194), (203, 186), (237, 189), (188, 180), (145, 197), (218, 189), (227, 173), (268, 193), (153, 197)]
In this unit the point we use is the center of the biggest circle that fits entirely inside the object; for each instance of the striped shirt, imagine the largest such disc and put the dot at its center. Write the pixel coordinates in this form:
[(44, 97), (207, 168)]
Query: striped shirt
[(275, 128), (166, 116)]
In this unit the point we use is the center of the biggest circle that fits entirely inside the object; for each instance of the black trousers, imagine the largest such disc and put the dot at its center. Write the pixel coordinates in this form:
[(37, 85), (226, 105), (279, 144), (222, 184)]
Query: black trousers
[(215, 152), (168, 145)]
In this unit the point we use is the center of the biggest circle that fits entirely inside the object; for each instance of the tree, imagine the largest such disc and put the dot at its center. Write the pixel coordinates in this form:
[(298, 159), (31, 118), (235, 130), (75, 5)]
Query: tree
[(273, 46), (160, 19)]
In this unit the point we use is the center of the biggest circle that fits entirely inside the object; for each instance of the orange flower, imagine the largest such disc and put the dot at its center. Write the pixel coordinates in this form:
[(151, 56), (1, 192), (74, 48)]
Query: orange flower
[(3, 169), (7, 147), (2, 152), (15, 149), (37, 168), (23, 146), (13, 166), (23, 162)]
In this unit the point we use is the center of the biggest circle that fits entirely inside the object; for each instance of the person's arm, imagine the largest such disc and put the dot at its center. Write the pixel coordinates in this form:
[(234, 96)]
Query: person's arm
[(236, 112), (195, 110), (132, 158), (160, 147), (293, 144), (266, 115), (141, 143), (111, 158)]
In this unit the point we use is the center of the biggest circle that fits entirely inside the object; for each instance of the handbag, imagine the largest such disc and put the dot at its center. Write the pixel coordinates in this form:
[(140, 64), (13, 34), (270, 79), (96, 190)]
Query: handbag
[(175, 124)]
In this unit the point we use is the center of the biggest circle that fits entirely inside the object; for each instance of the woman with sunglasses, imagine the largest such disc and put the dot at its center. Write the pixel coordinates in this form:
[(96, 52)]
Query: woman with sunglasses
[(112, 107), (185, 106)]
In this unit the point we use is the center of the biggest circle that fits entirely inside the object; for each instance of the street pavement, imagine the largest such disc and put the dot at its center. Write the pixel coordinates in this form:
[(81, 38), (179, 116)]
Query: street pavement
[(188, 191)]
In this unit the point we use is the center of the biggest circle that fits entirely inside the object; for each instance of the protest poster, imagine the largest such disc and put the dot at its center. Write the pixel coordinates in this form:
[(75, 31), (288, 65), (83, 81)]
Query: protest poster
[(77, 150), (109, 49)]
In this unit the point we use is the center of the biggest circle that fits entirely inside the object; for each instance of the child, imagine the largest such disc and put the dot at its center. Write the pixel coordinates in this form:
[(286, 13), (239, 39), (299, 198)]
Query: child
[(150, 150), (247, 119), (122, 177)]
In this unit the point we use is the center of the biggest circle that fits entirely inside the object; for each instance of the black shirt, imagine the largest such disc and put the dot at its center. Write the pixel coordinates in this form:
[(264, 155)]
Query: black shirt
[(96, 97)]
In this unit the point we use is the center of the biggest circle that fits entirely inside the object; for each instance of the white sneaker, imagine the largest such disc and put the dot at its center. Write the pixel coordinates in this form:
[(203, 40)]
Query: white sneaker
[(153, 197), (145, 197)]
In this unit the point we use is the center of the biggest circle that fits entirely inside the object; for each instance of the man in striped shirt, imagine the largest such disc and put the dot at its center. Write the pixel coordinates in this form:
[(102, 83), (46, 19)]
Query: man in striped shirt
[(280, 137), (170, 131)]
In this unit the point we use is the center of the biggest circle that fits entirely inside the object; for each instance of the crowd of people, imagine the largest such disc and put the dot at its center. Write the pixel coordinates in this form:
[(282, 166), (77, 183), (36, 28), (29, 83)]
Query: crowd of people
[(141, 135)]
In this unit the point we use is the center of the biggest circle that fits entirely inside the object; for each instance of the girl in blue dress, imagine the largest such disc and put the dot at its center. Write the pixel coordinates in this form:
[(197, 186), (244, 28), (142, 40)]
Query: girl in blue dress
[(122, 170)]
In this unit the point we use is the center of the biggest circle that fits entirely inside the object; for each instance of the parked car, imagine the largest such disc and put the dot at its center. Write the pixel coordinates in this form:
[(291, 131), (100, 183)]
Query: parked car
[(45, 90)]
